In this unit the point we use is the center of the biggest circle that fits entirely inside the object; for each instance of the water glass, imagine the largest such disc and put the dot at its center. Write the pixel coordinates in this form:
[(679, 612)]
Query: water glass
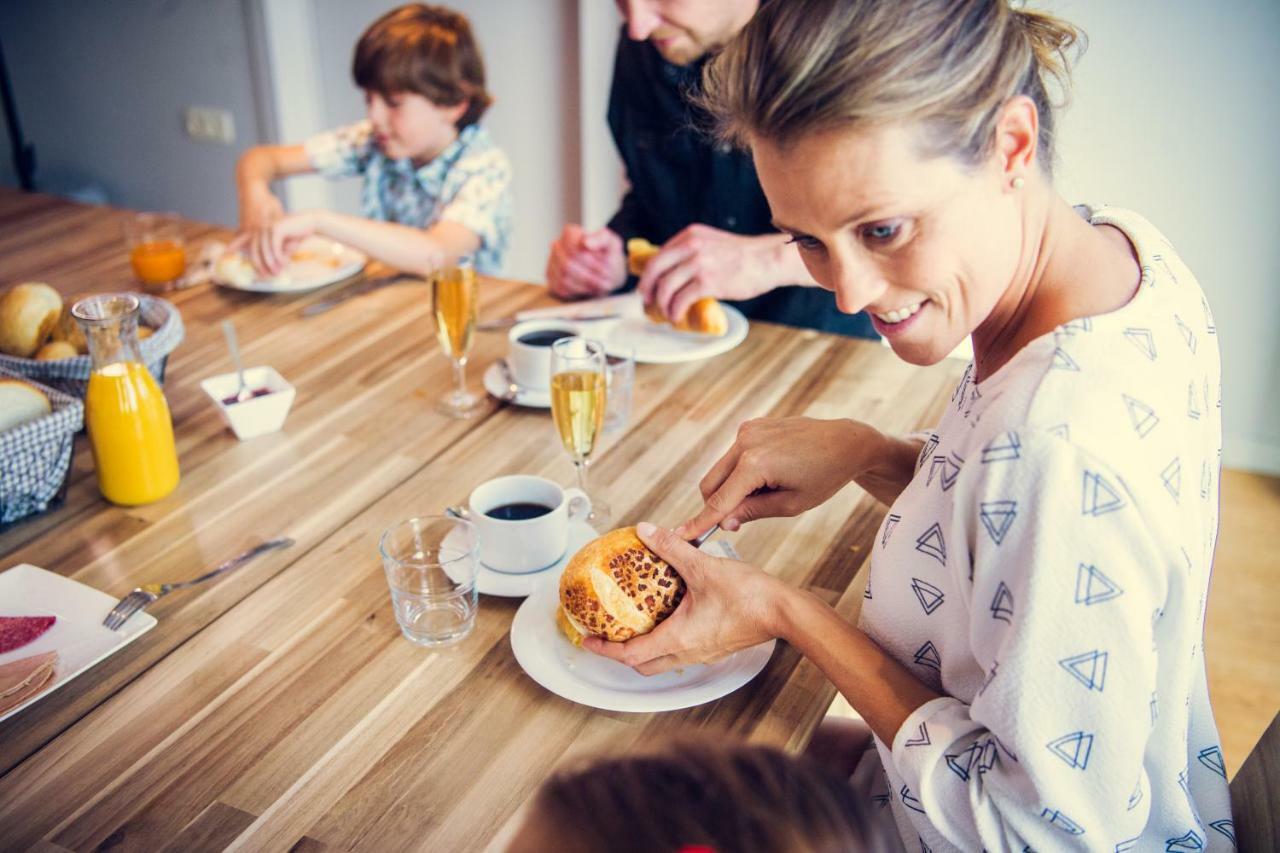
[(620, 373), (430, 564)]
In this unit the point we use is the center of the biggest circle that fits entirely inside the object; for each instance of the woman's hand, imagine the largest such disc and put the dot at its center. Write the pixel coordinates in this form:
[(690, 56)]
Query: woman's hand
[(779, 467), (727, 606)]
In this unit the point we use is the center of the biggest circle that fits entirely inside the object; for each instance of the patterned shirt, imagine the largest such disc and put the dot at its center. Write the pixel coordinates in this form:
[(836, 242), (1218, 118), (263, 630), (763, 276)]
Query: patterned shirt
[(468, 183), (1046, 569)]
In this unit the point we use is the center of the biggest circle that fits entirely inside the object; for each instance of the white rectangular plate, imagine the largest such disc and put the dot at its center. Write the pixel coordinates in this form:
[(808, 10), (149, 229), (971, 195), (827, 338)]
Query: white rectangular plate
[(79, 637)]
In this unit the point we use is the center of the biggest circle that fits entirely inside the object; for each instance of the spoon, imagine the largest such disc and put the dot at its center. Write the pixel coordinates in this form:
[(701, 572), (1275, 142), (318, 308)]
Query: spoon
[(512, 388), (229, 331)]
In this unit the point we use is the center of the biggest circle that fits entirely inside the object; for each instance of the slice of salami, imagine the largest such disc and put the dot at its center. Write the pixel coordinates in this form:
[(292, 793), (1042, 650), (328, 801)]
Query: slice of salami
[(17, 631)]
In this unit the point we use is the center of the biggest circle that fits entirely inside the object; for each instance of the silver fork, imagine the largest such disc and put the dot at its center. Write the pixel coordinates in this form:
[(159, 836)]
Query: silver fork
[(148, 593)]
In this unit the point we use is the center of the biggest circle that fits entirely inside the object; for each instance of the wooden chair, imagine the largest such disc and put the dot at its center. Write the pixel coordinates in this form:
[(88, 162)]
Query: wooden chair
[(1255, 795)]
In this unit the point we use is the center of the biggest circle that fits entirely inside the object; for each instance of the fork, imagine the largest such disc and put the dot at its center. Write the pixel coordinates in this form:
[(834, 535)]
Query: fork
[(149, 593)]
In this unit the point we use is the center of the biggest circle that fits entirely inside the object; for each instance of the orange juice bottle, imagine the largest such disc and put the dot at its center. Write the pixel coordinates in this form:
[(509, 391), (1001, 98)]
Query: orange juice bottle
[(125, 411)]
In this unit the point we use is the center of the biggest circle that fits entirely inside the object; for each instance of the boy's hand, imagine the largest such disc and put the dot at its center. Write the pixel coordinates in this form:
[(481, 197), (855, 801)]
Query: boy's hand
[(585, 265), (259, 208)]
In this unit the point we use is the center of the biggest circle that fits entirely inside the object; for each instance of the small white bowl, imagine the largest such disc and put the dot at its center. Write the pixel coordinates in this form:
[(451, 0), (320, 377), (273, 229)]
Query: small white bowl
[(258, 415)]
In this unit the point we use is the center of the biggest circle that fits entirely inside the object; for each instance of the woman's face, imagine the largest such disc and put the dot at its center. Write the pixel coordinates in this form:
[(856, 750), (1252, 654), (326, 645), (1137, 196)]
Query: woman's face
[(927, 246), (409, 125)]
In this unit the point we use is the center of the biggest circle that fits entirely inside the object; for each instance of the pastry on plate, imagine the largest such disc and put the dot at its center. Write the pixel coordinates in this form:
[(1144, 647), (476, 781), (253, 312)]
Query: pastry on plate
[(706, 316)]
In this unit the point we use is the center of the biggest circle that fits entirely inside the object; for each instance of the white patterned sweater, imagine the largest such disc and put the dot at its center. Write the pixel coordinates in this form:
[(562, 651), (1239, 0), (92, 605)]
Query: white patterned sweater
[(1046, 569)]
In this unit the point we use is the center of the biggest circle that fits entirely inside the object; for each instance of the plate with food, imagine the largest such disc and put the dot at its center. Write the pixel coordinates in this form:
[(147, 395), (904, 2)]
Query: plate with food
[(51, 631), (708, 329), (617, 588), (314, 263)]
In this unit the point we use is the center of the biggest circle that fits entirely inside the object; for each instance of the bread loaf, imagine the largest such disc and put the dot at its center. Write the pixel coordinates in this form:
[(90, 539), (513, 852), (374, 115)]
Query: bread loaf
[(68, 330), (56, 351), (21, 402), (706, 316), (616, 588), (28, 313)]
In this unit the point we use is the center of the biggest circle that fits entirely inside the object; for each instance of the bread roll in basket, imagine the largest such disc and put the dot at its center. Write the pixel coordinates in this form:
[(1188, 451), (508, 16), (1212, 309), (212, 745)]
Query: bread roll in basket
[(616, 588)]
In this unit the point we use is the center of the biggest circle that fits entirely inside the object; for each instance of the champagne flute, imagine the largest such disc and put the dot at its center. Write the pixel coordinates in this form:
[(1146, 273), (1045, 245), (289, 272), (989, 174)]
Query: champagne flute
[(578, 382), (455, 296)]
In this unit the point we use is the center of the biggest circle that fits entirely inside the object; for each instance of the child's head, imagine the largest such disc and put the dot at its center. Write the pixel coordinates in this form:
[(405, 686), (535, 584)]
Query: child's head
[(694, 796), (423, 77)]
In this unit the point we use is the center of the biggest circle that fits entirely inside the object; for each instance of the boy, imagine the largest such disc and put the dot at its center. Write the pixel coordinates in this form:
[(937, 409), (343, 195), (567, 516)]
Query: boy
[(436, 187)]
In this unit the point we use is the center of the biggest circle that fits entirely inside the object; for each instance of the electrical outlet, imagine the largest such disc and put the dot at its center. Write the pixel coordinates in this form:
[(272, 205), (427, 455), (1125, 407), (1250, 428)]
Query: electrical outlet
[(206, 124)]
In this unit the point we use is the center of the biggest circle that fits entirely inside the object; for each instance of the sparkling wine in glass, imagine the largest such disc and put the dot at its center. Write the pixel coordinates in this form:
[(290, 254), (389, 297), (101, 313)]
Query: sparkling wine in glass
[(578, 382), (455, 296)]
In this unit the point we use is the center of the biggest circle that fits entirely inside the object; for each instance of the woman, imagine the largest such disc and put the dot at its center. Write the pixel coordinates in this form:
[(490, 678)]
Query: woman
[(1029, 655)]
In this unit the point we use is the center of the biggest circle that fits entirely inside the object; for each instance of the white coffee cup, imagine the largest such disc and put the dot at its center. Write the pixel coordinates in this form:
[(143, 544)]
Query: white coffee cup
[(523, 545), (531, 363)]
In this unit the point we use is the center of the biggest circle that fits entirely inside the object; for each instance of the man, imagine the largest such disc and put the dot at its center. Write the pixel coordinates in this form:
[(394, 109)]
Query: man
[(701, 201)]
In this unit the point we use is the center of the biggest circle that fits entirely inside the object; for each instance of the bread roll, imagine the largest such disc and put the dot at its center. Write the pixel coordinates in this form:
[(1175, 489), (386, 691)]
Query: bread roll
[(616, 588), (21, 402), (67, 329), (56, 351), (639, 252), (706, 316), (28, 313), (235, 269)]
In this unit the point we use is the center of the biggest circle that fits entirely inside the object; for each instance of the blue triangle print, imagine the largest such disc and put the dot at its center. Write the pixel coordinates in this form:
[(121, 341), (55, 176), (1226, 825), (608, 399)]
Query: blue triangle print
[(1062, 822), (927, 451), (1187, 843), (1225, 827), (963, 763), (927, 655), (997, 517), (1090, 669), (931, 543), (921, 738), (1212, 758), (1062, 361), (1172, 477), (909, 801), (1003, 448), (929, 596), (1193, 403), (889, 523), (1128, 844), (1208, 318), (1002, 604), (945, 470), (1135, 797), (1073, 749), (1099, 496), (1188, 336), (1142, 416), (1093, 587), (866, 592), (1062, 431), (1143, 340)]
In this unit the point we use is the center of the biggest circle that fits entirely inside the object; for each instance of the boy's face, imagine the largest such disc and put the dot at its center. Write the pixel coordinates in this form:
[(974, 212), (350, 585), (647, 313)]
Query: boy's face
[(409, 125)]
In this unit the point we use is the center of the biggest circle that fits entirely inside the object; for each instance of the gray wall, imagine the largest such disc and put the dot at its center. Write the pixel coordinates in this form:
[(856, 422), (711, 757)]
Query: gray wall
[(101, 87), (1175, 115)]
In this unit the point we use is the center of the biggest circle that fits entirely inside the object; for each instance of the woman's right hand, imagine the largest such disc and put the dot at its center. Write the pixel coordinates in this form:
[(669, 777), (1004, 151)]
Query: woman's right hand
[(779, 467)]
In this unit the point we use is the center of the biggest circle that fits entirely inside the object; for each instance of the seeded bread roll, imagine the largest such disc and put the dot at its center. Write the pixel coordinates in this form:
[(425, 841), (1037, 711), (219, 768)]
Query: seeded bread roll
[(616, 588), (28, 313)]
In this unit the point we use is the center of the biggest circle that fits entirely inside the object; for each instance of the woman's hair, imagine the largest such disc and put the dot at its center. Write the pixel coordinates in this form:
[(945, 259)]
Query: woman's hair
[(951, 65), (424, 49), (731, 798)]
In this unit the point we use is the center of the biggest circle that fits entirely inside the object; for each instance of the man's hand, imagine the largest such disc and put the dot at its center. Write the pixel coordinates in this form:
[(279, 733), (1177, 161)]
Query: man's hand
[(704, 261), (583, 264)]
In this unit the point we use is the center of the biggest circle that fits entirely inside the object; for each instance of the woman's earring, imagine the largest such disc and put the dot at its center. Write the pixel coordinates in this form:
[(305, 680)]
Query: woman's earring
[(1017, 183)]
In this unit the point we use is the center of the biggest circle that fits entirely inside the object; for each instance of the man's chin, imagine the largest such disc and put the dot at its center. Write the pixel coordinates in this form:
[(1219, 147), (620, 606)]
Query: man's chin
[(678, 50)]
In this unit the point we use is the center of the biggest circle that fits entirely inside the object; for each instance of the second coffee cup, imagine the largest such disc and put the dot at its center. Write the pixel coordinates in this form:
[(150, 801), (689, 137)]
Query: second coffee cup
[(530, 351), (522, 521)]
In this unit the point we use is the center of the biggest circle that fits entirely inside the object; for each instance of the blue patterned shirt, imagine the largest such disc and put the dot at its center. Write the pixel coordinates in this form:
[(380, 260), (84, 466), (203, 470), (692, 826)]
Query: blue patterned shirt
[(468, 183)]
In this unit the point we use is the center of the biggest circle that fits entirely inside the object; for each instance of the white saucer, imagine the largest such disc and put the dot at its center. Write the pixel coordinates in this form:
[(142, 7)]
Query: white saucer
[(497, 387), (506, 585)]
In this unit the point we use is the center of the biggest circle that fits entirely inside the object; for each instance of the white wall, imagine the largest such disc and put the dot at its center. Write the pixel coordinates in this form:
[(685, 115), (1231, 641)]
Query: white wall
[(1175, 115), (531, 60), (100, 88)]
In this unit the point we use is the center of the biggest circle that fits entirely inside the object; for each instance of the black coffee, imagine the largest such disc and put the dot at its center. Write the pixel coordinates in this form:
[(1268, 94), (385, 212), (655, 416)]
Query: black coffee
[(543, 337), (518, 512)]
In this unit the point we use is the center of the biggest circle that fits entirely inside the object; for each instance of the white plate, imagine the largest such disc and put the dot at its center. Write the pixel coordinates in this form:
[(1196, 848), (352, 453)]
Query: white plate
[(656, 343), (79, 637), (531, 397), (507, 585), (548, 657), (333, 262)]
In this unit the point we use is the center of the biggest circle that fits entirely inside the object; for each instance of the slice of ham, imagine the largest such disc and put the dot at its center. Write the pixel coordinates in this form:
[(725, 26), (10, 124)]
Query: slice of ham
[(17, 631), (21, 679)]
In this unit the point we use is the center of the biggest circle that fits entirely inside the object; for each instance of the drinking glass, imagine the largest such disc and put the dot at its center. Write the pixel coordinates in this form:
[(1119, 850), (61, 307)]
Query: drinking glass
[(157, 251), (578, 382), (430, 564), (455, 296), (620, 367)]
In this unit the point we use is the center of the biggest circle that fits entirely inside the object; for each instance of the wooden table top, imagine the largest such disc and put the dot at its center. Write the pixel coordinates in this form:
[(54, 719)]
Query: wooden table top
[(280, 706)]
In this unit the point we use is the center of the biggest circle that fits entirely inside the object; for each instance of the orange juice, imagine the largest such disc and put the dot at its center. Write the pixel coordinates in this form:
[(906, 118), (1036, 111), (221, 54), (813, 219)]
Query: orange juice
[(158, 261), (131, 434)]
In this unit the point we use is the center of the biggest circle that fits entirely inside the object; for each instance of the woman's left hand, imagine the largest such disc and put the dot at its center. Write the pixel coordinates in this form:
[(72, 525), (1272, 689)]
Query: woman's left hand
[(727, 606)]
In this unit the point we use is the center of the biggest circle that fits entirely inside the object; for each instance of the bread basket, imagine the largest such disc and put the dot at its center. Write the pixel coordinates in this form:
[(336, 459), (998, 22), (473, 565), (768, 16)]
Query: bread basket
[(71, 375), (35, 457)]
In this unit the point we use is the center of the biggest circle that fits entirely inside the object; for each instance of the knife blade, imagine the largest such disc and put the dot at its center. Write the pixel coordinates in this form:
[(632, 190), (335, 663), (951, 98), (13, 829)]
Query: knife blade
[(360, 289), (508, 322)]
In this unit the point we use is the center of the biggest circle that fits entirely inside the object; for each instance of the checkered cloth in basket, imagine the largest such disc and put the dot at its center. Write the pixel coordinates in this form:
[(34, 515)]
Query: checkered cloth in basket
[(35, 457)]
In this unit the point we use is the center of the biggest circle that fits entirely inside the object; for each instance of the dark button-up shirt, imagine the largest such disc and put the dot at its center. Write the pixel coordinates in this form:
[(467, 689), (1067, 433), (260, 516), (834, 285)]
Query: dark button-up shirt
[(679, 176)]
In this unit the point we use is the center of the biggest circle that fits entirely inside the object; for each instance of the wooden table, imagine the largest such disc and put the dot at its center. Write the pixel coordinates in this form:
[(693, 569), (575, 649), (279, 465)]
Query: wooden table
[(280, 706)]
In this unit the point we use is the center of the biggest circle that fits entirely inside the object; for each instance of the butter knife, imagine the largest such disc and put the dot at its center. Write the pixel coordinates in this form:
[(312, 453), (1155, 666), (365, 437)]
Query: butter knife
[(508, 322), (360, 289)]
